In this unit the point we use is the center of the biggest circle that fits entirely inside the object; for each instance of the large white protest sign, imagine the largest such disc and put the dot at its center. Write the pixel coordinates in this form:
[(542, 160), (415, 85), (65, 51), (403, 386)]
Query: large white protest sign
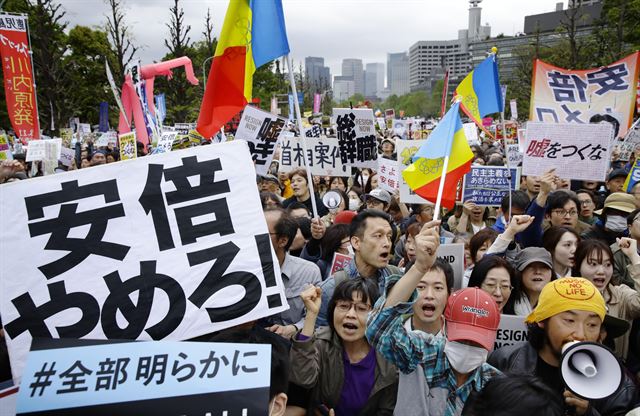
[(388, 174), (487, 185), (261, 130), (453, 254), (356, 133), (575, 151), (144, 378), (323, 156), (512, 330), (182, 232), (45, 150)]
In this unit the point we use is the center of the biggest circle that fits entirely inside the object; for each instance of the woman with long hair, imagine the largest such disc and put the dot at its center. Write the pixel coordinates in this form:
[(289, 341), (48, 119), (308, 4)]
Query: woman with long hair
[(562, 243)]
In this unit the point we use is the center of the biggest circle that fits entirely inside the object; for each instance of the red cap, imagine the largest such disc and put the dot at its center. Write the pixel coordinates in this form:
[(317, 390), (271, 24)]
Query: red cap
[(472, 315), (344, 217)]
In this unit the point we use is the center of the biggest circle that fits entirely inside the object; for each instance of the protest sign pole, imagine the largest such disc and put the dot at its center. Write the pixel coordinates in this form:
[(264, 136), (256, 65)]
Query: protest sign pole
[(296, 105)]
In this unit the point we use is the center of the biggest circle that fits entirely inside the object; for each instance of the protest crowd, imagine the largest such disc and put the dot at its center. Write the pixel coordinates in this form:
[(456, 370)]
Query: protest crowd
[(448, 271)]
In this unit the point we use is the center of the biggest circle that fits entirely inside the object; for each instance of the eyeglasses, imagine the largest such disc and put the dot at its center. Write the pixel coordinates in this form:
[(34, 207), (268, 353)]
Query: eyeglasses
[(564, 212), (586, 203), (344, 307), (491, 287)]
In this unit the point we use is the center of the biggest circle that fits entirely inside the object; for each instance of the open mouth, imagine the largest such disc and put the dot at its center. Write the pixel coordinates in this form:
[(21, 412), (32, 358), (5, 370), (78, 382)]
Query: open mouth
[(599, 281), (349, 327), (428, 310), (384, 256), (537, 280)]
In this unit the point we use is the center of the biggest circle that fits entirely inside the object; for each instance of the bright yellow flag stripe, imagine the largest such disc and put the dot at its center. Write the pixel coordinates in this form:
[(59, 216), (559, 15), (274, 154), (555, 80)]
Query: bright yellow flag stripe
[(424, 171), (236, 31)]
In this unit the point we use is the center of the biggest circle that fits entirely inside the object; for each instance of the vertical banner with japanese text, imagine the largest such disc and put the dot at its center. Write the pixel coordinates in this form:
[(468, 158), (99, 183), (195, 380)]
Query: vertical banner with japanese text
[(261, 130), (182, 232), (19, 80), (563, 96), (356, 131)]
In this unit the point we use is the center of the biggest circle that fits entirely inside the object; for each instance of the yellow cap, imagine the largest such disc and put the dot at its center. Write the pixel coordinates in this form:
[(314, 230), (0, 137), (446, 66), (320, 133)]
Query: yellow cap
[(494, 50), (565, 294)]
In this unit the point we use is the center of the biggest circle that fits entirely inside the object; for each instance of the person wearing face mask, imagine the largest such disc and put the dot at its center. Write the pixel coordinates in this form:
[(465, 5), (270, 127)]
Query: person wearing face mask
[(569, 309), (613, 218), (453, 366)]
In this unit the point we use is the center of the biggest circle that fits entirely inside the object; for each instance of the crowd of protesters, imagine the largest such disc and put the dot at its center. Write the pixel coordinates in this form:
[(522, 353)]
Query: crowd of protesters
[(389, 333)]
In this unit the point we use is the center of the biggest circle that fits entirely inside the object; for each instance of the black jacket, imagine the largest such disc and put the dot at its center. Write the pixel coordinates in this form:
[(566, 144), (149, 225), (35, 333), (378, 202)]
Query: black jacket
[(521, 360)]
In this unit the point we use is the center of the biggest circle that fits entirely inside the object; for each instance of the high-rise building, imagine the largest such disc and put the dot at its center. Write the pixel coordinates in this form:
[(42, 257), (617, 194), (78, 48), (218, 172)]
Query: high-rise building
[(539, 28), (374, 79), (428, 60), (398, 73), (343, 88), (318, 75), (353, 68)]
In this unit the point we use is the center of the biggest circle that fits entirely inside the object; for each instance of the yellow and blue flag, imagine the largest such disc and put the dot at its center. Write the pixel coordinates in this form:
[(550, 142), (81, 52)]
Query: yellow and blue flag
[(447, 139), (632, 178), (480, 91)]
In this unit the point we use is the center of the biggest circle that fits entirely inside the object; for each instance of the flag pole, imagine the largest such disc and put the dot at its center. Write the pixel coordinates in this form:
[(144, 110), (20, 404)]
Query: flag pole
[(296, 105), (445, 165), (494, 51)]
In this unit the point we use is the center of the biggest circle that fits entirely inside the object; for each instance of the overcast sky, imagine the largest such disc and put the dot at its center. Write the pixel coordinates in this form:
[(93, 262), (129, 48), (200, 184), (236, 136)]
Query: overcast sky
[(333, 29)]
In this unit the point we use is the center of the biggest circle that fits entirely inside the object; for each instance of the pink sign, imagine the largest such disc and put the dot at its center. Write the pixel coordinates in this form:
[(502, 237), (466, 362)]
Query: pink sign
[(317, 99), (340, 261), (487, 121)]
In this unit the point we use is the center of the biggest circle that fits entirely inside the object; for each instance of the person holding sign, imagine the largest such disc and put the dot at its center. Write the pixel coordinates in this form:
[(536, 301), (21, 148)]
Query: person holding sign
[(344, 372), (569, 309), (453, 366)]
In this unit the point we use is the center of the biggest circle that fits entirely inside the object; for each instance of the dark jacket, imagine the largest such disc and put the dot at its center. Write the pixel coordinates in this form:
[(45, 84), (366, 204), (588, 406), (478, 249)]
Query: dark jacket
[(522, 359), (317, 364)]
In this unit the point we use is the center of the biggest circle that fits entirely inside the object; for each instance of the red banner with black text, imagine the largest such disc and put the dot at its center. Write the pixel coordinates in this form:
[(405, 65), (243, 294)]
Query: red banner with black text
[(19, 82)]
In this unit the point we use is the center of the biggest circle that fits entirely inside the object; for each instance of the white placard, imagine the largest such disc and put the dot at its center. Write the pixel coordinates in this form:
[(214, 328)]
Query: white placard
[(261, 130), (388, 175), (48, 150), (323, 156), (405, 149), (165, 143), (514, 155), (575, 151), (185, 239), (471, 132), (512, 330), (67, 156), (356, 131), (453, 254), (513, 104)]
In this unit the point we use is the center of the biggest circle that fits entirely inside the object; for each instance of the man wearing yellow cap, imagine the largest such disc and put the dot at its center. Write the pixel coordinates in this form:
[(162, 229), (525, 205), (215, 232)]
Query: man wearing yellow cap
[(569, 309)]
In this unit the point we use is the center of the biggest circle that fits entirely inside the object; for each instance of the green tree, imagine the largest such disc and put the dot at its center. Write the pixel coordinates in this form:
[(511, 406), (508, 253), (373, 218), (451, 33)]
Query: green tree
[(88, 85)]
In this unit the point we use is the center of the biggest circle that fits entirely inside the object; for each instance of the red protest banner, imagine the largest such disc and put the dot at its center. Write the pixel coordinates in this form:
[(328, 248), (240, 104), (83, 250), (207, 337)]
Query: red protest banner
[(19, 83)]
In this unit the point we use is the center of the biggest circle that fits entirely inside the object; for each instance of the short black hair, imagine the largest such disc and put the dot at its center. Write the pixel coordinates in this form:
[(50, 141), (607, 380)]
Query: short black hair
[(488, 262), (359, 222), (519, 199), (536, 335), (445, 268), (558, 199), (332, 240), (523, 395), (297, 205), (286, 226), (367, 287)]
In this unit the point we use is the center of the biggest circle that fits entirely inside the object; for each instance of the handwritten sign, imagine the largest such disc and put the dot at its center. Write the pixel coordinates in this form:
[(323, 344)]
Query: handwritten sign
[(575, 151)]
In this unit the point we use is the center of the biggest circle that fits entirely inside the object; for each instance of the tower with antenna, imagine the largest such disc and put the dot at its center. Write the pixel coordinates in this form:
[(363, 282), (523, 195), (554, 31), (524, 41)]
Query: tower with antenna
[(474, 28)]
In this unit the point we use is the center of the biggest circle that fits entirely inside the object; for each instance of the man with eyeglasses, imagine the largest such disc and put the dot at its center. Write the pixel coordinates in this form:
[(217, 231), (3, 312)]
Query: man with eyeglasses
[(587, 206), (562, 210), (297, 273), (613, 218)]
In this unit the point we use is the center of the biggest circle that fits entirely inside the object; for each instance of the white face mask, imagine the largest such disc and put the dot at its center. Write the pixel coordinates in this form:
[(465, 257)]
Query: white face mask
[(464, 358), (354, 204), (365, 179), (616, 223)]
